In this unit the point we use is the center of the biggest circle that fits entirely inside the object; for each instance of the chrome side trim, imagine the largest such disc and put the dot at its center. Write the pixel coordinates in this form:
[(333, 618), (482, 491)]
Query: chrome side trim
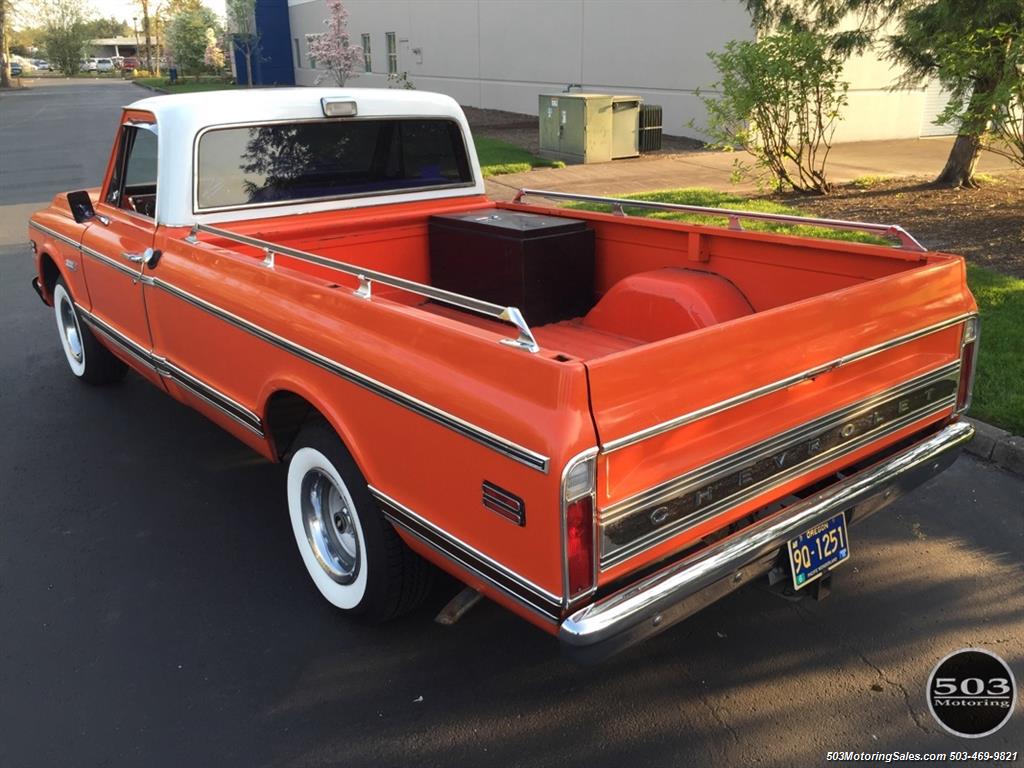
[(906, 240), (216, 398), (753, 394), (478, 434), (132, 273), (86, 250), (226, 405), (679, 590), (55, 234), (544, 603), (499, 444), (686, 483), (138, 352)]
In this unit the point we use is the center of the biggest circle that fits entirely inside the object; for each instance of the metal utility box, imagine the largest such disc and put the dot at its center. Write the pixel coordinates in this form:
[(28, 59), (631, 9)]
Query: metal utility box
[(543, 265), (625, 126), (588, 127)]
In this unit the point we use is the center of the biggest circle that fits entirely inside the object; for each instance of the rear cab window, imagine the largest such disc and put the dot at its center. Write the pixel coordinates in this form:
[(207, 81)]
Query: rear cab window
[(281, 163)]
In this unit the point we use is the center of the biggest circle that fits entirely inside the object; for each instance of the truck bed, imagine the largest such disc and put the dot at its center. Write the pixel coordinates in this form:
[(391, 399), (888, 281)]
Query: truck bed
[(702, 345), (679, 267)]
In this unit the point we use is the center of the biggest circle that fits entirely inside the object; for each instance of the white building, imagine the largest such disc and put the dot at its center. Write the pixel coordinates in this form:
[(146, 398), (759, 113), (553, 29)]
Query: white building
[(500, 54)]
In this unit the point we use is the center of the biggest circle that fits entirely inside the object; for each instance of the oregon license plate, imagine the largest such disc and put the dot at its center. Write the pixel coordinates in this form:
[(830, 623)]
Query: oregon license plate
[(818, 550)]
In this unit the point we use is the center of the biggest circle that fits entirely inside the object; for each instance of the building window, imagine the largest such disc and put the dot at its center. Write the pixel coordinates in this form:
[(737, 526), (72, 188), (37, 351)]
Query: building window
[(298, 54), (312, 58), (367, 64), (392, 46)]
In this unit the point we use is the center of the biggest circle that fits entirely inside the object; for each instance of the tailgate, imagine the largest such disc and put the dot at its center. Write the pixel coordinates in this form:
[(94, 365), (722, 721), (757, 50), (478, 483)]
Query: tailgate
[(699, 430)]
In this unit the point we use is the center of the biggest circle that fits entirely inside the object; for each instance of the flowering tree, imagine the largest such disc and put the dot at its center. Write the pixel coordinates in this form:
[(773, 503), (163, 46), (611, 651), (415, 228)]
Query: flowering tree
[(214, 55), (333, 49)]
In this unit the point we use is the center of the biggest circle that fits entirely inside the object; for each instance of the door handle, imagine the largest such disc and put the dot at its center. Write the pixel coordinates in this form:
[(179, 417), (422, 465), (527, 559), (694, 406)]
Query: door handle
[(148, 257)]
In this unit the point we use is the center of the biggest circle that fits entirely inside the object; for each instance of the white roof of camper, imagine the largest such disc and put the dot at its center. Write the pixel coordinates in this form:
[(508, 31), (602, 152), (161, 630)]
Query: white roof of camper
[(181, 117)]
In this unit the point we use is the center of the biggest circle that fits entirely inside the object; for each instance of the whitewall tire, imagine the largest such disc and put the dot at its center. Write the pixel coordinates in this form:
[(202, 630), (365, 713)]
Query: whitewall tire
[(88, 360), (327, 528), (354, 557), (69, 327)]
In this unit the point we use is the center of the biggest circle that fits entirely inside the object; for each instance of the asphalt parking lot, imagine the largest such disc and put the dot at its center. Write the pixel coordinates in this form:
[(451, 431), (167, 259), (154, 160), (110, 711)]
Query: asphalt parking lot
[(155, 610)]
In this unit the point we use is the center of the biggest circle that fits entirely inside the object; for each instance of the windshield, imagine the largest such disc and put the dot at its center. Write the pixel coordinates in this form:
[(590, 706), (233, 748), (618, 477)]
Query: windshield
[(320, 160)]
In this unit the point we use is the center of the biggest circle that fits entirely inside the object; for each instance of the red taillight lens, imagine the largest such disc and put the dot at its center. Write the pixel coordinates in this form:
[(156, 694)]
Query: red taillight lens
[(963, 395), (579, 525), (968, 352)]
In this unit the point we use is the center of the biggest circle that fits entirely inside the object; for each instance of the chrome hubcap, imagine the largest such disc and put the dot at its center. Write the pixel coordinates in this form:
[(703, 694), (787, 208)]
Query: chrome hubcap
[(69, 324), (330, 528)]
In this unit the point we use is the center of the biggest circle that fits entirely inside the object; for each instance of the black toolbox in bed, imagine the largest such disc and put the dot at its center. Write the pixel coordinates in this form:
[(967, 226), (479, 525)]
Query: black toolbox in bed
[(543, 265)]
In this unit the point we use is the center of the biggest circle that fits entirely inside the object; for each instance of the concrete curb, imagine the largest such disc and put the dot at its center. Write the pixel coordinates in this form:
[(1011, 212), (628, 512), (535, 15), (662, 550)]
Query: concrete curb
[(152, 88), (998, 446)]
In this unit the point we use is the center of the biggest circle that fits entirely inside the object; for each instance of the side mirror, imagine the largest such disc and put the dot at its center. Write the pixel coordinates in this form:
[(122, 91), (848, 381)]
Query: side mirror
[(81, 206)]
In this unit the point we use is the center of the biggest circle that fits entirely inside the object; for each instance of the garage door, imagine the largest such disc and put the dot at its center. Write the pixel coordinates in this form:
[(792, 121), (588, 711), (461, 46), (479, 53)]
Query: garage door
[(935, 100)]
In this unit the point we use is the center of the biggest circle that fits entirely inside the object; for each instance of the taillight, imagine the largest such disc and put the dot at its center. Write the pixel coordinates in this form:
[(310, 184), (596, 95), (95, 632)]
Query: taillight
[(579, 544), (578, 516), (968, 355)]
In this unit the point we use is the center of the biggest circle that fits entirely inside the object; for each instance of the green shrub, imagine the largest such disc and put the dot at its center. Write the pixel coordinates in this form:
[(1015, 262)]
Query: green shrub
[(779, 100)]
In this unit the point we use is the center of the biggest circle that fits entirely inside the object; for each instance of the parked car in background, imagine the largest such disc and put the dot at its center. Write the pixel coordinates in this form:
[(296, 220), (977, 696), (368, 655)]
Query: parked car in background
[(42, 65), (129, 64), (88, 65), (16, 69), (104, 65)]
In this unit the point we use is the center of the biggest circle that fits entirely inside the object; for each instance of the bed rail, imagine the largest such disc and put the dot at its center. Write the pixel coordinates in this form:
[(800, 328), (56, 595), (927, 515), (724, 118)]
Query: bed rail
[(735, 218), (367, 277)]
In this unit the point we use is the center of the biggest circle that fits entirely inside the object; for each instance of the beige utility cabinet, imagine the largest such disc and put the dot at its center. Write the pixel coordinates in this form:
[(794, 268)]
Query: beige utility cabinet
[(588, 127), (625, 126)]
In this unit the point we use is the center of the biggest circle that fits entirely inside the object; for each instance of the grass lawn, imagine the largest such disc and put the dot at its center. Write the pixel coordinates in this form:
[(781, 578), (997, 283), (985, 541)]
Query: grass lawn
[(184, 85), (999, 384), (501, 157)]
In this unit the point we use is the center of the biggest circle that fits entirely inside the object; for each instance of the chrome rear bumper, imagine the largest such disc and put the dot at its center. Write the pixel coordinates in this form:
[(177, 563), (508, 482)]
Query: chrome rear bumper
[(670, 595)]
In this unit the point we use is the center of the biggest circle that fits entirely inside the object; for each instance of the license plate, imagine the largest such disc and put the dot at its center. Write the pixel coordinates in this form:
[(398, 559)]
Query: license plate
[(818, 550)]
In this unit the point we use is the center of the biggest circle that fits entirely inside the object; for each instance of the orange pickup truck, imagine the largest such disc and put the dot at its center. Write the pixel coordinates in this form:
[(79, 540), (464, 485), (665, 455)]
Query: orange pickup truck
[(601, 422)]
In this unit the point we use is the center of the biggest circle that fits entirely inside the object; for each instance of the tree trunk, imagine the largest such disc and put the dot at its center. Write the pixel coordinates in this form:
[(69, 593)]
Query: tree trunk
[(248, 69), (963, 157), (5, 67), (145, 24)]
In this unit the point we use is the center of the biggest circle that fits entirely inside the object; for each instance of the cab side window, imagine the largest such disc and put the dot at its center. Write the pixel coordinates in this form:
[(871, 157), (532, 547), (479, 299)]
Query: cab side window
[(133, 184)]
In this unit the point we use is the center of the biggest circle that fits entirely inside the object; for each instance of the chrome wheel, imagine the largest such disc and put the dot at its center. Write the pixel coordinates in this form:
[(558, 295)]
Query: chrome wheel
[(327, 518), (72, 340), (70, 329)]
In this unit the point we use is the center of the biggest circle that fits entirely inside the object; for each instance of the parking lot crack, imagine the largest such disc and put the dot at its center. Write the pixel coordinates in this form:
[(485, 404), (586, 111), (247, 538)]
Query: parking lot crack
[(899, 686), (718, 718), (801, 611)]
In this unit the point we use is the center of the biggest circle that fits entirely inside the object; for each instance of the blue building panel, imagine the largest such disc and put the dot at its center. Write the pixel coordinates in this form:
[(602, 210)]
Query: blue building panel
[(273, 65)]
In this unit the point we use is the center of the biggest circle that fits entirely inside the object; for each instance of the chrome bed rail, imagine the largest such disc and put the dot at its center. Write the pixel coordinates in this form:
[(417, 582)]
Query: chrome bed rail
[(906, 241), (367, 277)]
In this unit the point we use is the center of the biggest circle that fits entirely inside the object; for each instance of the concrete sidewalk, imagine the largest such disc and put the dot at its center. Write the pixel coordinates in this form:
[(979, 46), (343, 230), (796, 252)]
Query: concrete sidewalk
[(711, 169)]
